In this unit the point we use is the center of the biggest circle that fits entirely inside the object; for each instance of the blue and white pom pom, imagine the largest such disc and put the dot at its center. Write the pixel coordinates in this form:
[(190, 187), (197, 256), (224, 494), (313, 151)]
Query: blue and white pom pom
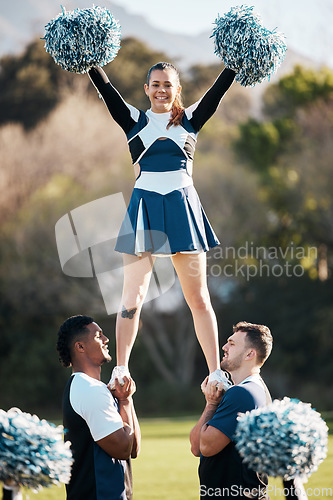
[(83, 38), (32, 451), (246, 46), (286, 438)]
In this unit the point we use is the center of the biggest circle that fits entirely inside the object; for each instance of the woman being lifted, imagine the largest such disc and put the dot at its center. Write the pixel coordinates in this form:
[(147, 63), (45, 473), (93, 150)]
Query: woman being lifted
[(164, 202)]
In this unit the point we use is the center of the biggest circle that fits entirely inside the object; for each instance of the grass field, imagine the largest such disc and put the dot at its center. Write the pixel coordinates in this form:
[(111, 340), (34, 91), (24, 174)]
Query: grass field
[(166, 469)]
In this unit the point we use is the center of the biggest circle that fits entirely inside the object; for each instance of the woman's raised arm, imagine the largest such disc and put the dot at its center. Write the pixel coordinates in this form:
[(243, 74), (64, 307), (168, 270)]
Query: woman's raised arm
[(203, 109), (124, 114)]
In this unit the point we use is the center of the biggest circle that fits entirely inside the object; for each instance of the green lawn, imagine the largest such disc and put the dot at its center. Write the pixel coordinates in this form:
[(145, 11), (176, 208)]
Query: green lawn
[(166, 469)]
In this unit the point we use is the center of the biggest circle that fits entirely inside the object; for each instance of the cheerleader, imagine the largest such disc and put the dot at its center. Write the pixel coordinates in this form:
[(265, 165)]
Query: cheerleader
[(165, 216)]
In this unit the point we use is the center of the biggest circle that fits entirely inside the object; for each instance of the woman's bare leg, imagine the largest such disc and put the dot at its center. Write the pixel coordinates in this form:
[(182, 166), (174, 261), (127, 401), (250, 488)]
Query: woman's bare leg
[(191, 271), (137, 274)]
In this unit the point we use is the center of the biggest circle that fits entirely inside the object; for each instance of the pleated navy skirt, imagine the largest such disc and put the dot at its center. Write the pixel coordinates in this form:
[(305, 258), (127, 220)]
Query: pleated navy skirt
[(165, 224)]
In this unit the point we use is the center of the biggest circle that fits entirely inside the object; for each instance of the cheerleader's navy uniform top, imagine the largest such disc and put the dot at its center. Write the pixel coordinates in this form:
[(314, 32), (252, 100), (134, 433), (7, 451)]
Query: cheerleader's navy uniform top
[(164, 215)]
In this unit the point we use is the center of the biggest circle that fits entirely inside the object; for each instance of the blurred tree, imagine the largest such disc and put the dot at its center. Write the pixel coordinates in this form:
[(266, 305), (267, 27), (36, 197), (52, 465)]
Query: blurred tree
[(301, 182), (262, 142), (170, 340), (29, 85), (292, 152), (298, 310), (303, 86), (36, 297), (259, 142)]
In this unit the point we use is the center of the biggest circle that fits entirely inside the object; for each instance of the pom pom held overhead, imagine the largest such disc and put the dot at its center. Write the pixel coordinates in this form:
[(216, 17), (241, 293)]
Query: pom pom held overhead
[(83, 38), (32, 451), (246, 46), (286, 438)]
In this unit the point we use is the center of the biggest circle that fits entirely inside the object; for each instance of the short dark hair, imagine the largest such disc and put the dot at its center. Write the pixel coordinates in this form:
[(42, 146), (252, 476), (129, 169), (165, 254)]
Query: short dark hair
[(69, 332), (259, 337)]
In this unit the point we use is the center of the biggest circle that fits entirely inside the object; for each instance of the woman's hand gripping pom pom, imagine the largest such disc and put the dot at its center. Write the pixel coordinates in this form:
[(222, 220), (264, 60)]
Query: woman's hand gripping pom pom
[(83, 38), (246, 46)]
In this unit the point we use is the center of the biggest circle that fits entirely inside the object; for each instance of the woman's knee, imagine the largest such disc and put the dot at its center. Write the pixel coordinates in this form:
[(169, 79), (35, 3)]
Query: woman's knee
[(199, 300)]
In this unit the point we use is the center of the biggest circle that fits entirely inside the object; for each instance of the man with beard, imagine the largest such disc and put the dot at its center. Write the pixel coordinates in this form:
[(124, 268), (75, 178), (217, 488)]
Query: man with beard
[(102, 427), (221, 471)]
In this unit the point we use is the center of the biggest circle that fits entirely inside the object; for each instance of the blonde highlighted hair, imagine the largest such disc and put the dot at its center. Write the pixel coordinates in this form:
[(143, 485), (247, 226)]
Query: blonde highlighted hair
[(178, 109)]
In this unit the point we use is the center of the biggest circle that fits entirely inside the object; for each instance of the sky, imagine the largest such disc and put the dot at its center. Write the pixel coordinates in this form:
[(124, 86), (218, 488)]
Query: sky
[(180, 16), (193, 16), (307, 24)]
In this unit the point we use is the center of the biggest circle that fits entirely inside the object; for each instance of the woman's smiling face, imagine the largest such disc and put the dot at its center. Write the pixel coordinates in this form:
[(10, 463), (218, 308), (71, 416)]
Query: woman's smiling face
[(162, 89)]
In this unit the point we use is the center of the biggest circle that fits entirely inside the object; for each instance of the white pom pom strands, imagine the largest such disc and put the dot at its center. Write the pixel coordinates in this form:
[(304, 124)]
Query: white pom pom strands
[(246, 46), (32, 451), (83, 38), (286, 438)]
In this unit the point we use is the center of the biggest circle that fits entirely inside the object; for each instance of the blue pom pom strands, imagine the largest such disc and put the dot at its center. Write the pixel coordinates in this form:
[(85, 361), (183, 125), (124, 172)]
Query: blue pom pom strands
[(286, 438), (32, 451), (83, 38), (246, 46)]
